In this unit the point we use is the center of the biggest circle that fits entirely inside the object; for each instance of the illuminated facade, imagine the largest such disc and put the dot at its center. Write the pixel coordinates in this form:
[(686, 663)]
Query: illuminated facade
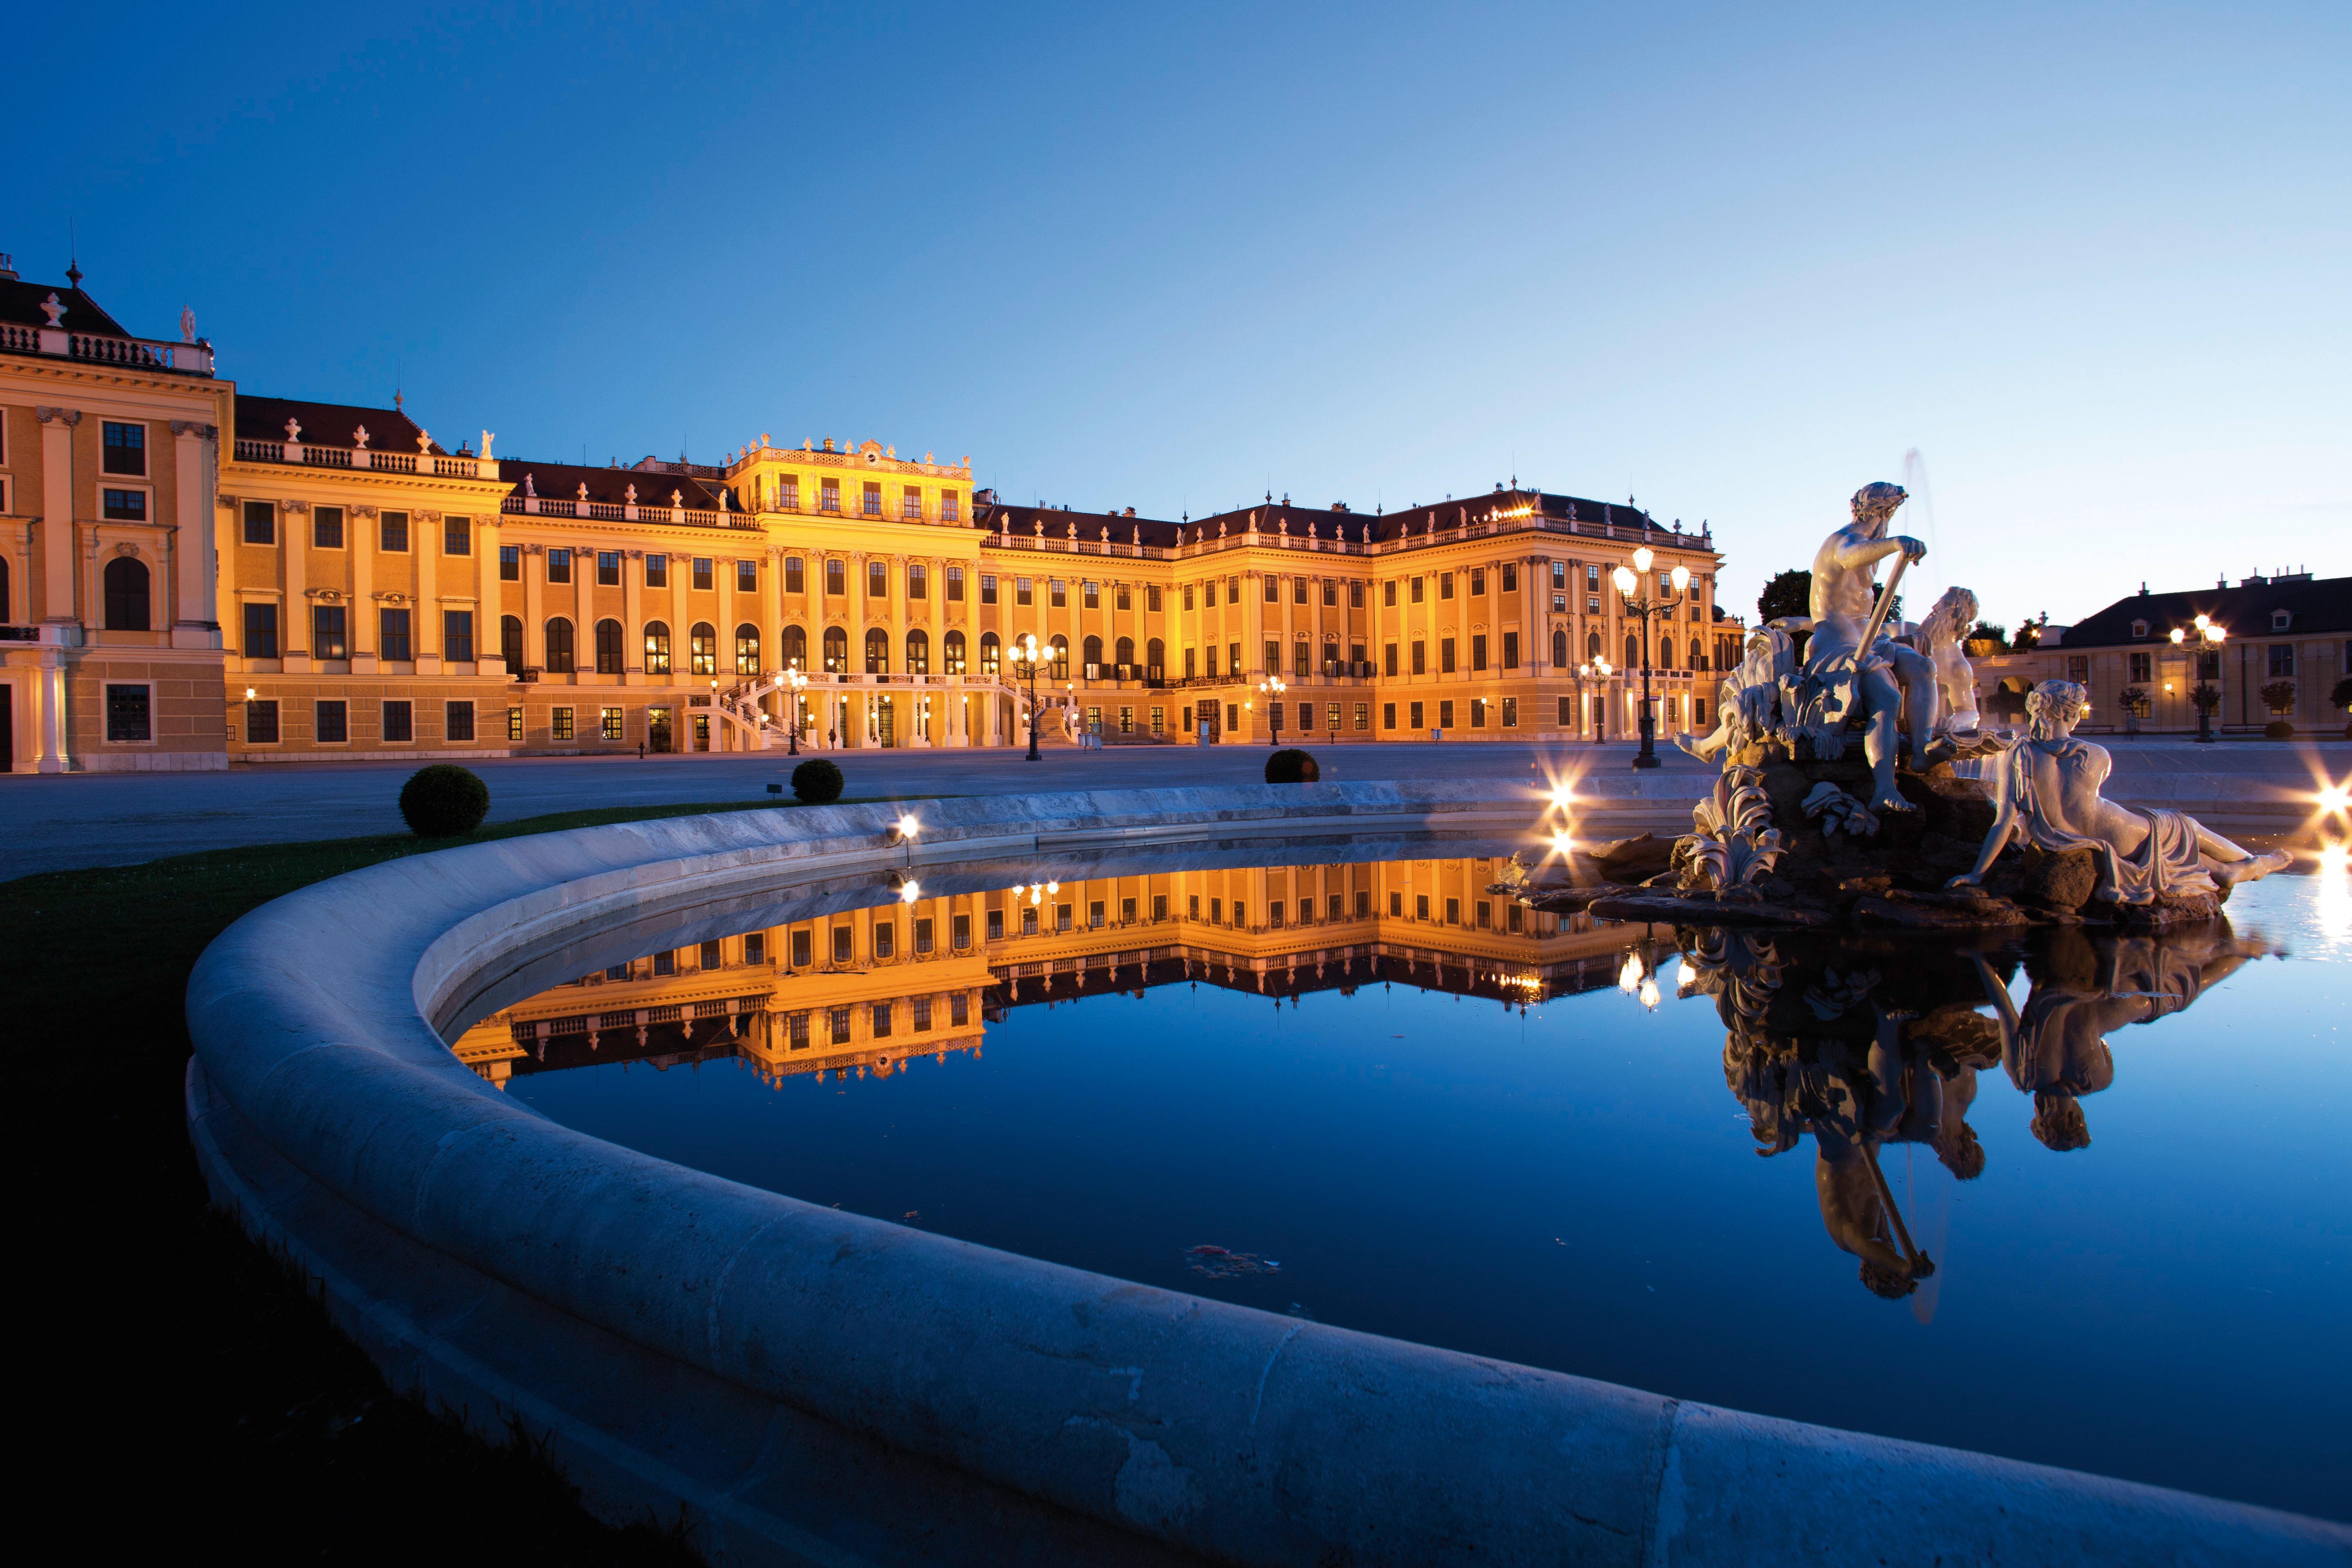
[(340, 583), (863, 991)]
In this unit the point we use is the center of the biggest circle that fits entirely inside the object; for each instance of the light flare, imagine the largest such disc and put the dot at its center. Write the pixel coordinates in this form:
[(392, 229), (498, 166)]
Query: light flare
[(1629, 979), (1649, 991)]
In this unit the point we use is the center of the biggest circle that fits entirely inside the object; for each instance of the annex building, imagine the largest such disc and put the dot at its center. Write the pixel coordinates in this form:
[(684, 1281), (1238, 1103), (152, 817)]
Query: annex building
[(191, 573)]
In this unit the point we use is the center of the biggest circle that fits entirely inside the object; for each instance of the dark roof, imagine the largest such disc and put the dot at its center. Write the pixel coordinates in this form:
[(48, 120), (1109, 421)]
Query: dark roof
[(326, 423), (1326, 522), (561, 481), (2320, 604), (1023, 519), (20, 305)]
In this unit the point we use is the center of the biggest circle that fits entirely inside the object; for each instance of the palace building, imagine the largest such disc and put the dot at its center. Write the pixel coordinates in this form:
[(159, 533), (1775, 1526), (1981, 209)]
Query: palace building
[(340, 583)]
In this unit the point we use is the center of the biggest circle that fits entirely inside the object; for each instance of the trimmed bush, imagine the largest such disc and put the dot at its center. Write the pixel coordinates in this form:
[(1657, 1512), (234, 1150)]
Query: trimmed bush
[(442, 801), (816, 781), (1291, 765), (2278, 729)]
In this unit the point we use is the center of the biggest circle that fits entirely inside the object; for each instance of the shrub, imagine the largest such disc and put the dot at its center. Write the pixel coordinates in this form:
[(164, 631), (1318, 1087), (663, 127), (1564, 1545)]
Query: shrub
[(2279, 696), (1291, 765), (2135, 701), (442, 801), (2279, 730), (2341, 696), (816, 781)]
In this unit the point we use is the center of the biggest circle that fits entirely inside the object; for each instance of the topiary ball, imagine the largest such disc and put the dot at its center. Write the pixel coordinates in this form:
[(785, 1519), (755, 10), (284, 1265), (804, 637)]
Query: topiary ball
[(2279, 730), (1291, 765), (816, 781), (442, 801)]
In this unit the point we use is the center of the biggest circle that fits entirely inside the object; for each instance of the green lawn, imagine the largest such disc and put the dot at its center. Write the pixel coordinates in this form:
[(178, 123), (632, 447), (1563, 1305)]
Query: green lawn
[(190, 1365)]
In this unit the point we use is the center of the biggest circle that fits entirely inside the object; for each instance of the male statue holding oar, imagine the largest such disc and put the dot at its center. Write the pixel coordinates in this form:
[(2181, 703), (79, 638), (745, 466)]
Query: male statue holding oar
[(1847, 614)]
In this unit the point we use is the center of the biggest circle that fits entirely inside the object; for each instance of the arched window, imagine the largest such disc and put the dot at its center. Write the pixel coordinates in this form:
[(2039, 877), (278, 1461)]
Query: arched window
[(1061, 662), (1155, 659), (795, 649), (1633, 651), (126, 594), (877, 652), (1560, 647), (747, 650), (991, 655), (657, 648), (951, 653), (836, 651), (559, 647), (918, 652), (1699, 656), (608, 648), (1593, 645), (1123, 655), (1093, 657), (510, 642), (702, 650)]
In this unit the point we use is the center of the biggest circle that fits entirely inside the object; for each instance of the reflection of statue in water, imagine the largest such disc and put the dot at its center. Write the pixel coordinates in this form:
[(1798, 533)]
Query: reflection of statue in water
[(2048, 789)]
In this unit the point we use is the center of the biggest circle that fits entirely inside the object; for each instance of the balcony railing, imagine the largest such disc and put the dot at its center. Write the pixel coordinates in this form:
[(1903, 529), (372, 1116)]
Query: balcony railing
[(608, 511), (1268, 539), (311, 454), (135, 353)]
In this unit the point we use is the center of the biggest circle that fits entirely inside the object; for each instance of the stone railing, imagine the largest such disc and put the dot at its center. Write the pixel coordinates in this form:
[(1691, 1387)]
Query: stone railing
[(131, 353), (687, 517), (311, 454)]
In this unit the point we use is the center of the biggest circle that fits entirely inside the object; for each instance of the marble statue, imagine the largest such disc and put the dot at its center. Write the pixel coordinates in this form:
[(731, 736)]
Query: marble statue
[(2047, 791), (1848, 669), (1953, 689)]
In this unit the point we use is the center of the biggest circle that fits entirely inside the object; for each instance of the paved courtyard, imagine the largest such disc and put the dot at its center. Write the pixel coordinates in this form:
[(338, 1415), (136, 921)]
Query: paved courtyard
[(55, 822)]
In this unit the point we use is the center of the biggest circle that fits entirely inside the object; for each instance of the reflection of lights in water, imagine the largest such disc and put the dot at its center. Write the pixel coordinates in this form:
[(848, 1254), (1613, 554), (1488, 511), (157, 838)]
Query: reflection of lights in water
[(1649, 991), (2335, 798), (1629, 977), (2336, 891), (1685, 976), (1562, 797), (908, 827), (909, 890), (1561, 844)]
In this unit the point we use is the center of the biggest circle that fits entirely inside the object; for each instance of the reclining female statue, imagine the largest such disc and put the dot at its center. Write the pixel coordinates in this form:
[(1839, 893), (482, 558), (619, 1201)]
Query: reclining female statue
[(2048, 789)]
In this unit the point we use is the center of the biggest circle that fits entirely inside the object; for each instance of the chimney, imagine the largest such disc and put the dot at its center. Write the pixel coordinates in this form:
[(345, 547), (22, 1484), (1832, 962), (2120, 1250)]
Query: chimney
[(8, 268)]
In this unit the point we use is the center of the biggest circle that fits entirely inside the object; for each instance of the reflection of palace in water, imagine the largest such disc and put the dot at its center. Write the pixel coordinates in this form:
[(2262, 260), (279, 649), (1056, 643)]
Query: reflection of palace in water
[(864, 990), (1863, 1046)]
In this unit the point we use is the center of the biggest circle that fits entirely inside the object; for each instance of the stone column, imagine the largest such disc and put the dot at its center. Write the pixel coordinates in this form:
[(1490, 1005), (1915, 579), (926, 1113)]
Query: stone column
[(490, 648), (293, 563), (584, 617), (634, 618), (854, 726), (362, 539), (425, 541), (534, 606), (195, 617), (57, 539), (681, 631)]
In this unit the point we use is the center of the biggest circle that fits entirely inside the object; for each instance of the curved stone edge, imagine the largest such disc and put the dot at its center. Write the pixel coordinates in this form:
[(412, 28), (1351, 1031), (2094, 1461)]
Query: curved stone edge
[(1227, 1432)]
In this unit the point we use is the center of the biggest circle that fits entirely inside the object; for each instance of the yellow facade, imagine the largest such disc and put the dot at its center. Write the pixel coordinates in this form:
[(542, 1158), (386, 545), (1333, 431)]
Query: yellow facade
[(866, 991)]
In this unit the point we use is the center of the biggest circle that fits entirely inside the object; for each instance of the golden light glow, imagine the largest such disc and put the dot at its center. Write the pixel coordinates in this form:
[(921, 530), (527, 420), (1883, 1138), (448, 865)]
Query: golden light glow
[(908, 827), (1563, 845), (1649, 991), (1643, 558), (1629, 978), (2334, 799), (1563, 797), (909, 890), (1624, 578), (2179, 637), (1681, 577)]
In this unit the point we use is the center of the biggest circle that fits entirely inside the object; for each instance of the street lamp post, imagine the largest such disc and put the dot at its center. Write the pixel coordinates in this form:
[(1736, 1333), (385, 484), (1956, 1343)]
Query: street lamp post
[(2209, 645), (1271, 687), (1024, 658), (1643, 607), (1599, 672), (798, 683)]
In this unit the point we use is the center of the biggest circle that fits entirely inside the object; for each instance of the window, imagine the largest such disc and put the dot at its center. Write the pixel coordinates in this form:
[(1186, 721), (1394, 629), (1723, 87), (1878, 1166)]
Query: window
[(510, 642), (755, 947), (702, 650), (665, 963), (1478, 650), (656, 646), (836, 577), (514, 724), (1058, 597), (331, 723), (871, 498), (126, 594), (123, 506), (951, 652), (1152, 598), (458, 720), (1330, 592), (1060, 650), (955, 584), (2078, 669), (457, 636), (991, 653), (2143, 666), (1510, 577), (1388, 715), (877, 651), (1091, 595), (326, 528), (126, 448), (1485, 913), (1510, 712), (746, 648), (839, 1019), (392, 635), (702, 570), (1272, 589), (559, 647), (1302, 659), (1567, 711), (457, 536), (128, 715), (260, 523), (510, 563), (949, 513), (795, 575), (399, 722), (1273, 657), (1299, 590), (328, 632), (391, 534), (877, 579), (881, 1020), (1446, 714), (828, 495), (1415, 717), (1095, 915), (1559, 648), (1510, 651), (988, 588), (918, 652), (656, 571), (1417, 590), (560, 723), (919, 580), (1061, 917), (1477, 712), (1454, 912), (996, 925), (261, 721), (2282, 658), (911, 504), (260, 631), (801, 959), (1420, 658), (559, 566), (1478, 580), (608, 724), (959, 931), (608, 568), (1331, 716), (1445, 585)]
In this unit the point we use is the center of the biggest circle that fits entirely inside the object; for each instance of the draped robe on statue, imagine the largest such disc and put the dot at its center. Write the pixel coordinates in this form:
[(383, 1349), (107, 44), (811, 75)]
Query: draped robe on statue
[(2166, 865)]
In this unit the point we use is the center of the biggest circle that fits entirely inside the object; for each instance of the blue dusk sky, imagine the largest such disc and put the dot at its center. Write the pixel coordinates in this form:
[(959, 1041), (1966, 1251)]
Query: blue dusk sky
[(1735, 262)]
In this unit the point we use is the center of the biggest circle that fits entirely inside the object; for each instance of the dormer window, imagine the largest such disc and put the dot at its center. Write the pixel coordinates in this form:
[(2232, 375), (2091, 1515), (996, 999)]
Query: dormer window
[(2281, 619), (2140, 630)]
